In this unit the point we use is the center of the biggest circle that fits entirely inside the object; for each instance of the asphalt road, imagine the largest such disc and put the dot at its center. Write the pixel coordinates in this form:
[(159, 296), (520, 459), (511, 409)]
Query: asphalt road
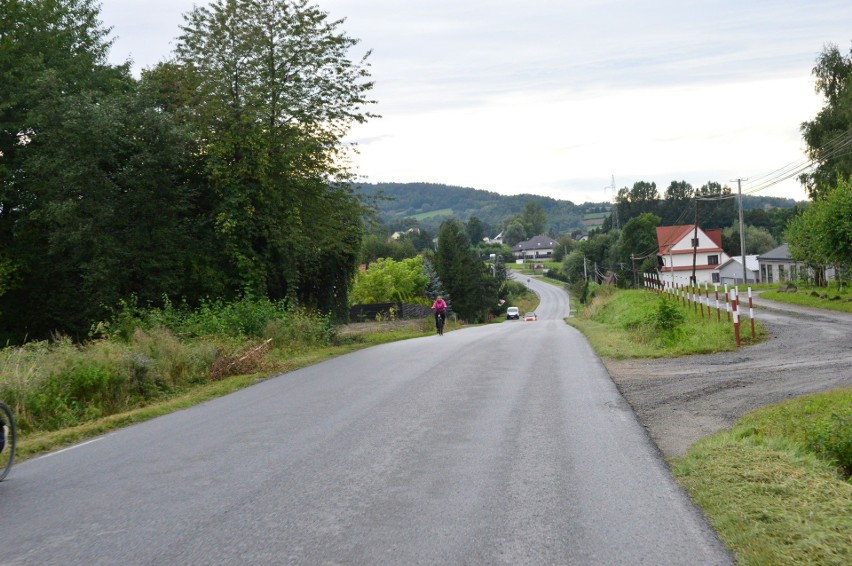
[(501, 444)]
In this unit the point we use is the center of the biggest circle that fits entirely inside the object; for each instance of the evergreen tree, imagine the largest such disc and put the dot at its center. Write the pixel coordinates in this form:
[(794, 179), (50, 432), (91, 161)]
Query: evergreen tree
[(468, 280)]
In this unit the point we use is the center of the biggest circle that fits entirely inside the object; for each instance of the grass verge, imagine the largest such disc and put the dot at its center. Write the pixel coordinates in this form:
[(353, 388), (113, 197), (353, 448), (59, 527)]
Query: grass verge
[(776, 487), (804, 298), (636, 324), (276, 362)]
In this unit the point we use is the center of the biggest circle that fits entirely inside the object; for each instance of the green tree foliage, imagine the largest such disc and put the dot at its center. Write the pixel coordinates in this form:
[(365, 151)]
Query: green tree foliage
[(534, 219), (757, 240), (643, 197), (475, 230), (829, 134), (52, 62), (717, 206), (514, 233), (468, 280), (822, 234), (564, 245), (375, 247), (275, 94), (220, 174), (114, 216), (387, 281), (638, 244)]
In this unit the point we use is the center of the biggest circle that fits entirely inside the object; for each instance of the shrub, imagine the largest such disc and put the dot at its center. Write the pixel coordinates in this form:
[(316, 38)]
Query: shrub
[(667, 320)]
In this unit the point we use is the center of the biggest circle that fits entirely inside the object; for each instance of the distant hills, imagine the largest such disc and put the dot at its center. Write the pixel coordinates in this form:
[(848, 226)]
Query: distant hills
[(430, 204)]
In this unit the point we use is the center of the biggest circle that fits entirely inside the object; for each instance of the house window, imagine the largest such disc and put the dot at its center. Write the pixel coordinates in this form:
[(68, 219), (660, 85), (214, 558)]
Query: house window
[(763, 274), (712, 260), (715, 277), (782, 275), (769, 271)]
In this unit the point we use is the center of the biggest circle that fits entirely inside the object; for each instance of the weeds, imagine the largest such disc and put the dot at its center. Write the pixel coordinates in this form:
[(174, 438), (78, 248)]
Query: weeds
[(145, 355)]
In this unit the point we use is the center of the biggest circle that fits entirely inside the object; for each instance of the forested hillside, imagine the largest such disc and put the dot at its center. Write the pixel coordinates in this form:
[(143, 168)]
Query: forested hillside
[(430, 204)]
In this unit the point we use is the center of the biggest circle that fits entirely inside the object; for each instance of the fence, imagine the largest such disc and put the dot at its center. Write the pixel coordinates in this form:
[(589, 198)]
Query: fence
[(692, 295)]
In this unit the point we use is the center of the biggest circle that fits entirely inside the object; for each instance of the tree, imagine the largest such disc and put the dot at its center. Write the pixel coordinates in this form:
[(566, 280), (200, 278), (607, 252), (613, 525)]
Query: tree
[(638, 243), (274, 94), (468, 280), (717, 206), (757, 240), (822, 234), (564, 245), (389, 281), (678, 199), (643, 197), (475, 230), (52, 58), (533, 218), (828, 135), (514, 233)]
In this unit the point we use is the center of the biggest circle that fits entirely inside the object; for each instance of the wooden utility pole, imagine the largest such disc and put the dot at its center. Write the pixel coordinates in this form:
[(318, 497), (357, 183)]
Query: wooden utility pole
[(692, 279)]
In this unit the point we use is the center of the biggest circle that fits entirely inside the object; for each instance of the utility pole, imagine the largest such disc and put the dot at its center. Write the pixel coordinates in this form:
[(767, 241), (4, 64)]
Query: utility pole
[(742, 230), (694, 245), (633, 262)]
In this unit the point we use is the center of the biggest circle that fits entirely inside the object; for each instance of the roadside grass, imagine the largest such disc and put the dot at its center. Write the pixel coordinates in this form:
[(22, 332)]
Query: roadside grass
[(275, 361), (776, 487), (815, 297), (630, 324)]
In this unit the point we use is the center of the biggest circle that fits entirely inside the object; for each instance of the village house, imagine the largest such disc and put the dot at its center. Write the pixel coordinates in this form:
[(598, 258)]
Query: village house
[(539, 248), (682, 247), (731, 272)]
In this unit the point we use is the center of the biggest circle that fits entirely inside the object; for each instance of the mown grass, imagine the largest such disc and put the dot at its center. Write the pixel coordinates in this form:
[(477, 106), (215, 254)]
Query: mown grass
[(628, 323), (776, 487)]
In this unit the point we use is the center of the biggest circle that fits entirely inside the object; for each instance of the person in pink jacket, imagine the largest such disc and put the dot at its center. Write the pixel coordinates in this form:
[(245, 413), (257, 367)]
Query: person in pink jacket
[(440, 307)]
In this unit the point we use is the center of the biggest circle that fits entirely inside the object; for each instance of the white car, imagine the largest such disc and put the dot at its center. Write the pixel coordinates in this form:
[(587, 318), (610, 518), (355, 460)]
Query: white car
[(513, 312)]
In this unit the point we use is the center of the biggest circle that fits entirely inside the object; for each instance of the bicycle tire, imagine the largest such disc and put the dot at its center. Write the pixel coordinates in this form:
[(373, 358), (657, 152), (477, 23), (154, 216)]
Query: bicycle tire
[(439, 324), (7, 429)]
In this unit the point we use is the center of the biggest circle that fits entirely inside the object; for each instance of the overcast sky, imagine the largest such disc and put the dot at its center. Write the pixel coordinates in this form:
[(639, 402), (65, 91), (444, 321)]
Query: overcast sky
[(557, 97)]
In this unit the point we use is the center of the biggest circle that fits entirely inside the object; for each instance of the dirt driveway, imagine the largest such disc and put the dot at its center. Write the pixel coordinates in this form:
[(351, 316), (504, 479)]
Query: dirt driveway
[(680, 401)]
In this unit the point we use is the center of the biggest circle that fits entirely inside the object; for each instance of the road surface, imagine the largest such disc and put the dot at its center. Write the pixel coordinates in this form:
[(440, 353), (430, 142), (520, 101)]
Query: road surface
[(500, 444)]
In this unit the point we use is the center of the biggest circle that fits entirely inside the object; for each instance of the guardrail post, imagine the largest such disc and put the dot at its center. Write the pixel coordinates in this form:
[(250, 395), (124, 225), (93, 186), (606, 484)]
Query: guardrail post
[(751, 312), (736, 316)]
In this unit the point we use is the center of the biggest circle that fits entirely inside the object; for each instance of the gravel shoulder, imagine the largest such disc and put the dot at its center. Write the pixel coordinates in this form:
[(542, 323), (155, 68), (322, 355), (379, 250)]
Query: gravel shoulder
[(681, 400)]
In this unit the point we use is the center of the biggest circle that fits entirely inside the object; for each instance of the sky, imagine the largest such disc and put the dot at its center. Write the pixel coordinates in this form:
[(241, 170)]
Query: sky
[(571, 99)]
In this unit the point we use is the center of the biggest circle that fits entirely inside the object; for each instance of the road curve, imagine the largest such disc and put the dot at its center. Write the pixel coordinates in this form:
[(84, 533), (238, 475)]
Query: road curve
[(499, 444)]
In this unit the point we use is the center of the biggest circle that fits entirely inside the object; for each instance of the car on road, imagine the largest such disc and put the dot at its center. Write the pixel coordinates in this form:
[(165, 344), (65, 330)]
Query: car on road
[(531, 316), (513, 312)]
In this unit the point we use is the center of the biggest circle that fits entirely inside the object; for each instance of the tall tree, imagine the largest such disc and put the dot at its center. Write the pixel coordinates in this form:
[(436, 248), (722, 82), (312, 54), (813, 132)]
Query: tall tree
[(277, 92), (468, 280), (717, 206), (638, 244), (822, 234), (52, 60), (534, 218), (475, 230), (643, 197), (829, 135)]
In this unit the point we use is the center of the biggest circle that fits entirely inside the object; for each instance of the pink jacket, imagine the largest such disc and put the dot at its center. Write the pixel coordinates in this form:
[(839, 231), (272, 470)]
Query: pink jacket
[(440, 306)]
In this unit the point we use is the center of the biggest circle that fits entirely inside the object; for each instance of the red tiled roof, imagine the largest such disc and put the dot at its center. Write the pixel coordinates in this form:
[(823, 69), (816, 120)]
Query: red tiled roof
[(668, 236)]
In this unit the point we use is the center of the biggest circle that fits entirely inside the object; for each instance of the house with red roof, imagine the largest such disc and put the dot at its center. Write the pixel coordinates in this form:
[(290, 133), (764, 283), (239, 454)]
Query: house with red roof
[(682, 247)]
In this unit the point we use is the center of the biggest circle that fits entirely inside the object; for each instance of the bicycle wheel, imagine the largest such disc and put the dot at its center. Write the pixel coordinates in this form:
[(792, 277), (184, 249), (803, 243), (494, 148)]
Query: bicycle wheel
[(8, 440)]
